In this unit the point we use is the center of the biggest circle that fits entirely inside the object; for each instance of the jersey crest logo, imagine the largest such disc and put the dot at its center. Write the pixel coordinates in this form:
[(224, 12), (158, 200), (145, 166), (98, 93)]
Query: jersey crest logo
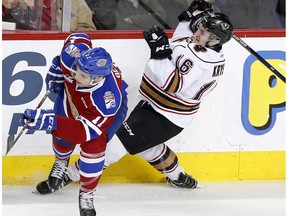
[(109, 99)]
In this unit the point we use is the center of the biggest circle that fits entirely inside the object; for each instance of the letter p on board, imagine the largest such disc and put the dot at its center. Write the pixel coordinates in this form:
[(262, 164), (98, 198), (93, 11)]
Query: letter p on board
[(263, 94)]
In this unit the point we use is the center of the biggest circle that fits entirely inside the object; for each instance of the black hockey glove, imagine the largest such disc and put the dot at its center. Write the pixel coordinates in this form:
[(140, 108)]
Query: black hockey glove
[(200, 5), (158, 42)]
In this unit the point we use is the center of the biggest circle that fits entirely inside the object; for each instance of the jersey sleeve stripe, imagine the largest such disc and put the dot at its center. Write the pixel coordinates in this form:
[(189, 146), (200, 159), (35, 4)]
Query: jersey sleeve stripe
[(92, 131), (164, 100), (173, 83)]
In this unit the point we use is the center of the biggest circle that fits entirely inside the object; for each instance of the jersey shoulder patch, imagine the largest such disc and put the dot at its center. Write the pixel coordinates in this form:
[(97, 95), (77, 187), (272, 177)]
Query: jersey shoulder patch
[(108, 98)]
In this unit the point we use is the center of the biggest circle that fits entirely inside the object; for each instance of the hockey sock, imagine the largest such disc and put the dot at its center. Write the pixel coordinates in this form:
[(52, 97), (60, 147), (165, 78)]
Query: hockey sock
[(162, 158)]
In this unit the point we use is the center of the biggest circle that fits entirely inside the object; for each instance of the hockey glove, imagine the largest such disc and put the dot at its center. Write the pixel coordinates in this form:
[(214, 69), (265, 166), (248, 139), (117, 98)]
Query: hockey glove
[(40, 119), (54, 78), (200, 5), (158, 42)]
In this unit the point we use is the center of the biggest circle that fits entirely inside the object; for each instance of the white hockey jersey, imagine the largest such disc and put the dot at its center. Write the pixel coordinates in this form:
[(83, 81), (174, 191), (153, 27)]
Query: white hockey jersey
[(176, 87)]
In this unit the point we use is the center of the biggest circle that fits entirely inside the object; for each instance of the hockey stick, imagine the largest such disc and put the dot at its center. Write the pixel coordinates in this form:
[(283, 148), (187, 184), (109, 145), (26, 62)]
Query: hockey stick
[(263, 61), (11, 140)]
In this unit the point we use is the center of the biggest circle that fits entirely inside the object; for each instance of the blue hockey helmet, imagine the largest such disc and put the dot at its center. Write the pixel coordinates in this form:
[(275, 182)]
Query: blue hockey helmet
[(96, 62)]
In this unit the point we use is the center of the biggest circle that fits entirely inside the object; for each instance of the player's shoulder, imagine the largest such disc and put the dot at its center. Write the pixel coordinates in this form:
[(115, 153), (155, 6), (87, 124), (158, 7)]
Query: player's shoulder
[(198, 53), (116, 72)]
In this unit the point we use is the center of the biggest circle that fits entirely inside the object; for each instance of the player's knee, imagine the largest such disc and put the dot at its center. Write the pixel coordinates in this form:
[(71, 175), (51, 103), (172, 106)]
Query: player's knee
[(154, 152), (73, 171)]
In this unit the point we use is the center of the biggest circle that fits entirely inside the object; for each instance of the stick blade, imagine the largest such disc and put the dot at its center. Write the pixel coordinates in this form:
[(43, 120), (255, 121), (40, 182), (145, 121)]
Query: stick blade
[(10, 143)]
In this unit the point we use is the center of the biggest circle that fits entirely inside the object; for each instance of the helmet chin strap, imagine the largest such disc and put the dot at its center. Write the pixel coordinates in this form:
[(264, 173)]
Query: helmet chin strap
[(211, 38), (96, 80)]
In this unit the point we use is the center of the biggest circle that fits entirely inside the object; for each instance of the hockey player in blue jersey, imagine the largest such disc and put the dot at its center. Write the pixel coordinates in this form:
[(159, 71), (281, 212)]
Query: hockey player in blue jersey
[(90, 106)]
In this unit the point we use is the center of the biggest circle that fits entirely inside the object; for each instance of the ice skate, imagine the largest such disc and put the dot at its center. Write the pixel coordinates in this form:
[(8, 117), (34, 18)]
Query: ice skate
[(44, 187), (184, 181), (86, 206), (55, 179), (71, 174)]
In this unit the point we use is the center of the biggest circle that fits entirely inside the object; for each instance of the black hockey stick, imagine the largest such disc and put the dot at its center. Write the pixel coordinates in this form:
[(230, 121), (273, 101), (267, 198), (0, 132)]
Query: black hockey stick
[(158, 18), (11, 140), (262, 60)]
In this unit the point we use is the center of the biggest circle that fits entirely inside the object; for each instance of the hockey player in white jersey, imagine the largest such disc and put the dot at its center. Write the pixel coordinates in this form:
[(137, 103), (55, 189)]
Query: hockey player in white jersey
[(176, 79)]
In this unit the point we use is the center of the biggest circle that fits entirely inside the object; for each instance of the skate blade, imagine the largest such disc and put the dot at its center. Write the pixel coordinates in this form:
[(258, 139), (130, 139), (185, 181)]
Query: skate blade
[(37, 193), (200, 186)]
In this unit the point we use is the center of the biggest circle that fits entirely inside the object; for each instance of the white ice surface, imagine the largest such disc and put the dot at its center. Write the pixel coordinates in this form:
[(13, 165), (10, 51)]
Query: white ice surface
[(240, 198)]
